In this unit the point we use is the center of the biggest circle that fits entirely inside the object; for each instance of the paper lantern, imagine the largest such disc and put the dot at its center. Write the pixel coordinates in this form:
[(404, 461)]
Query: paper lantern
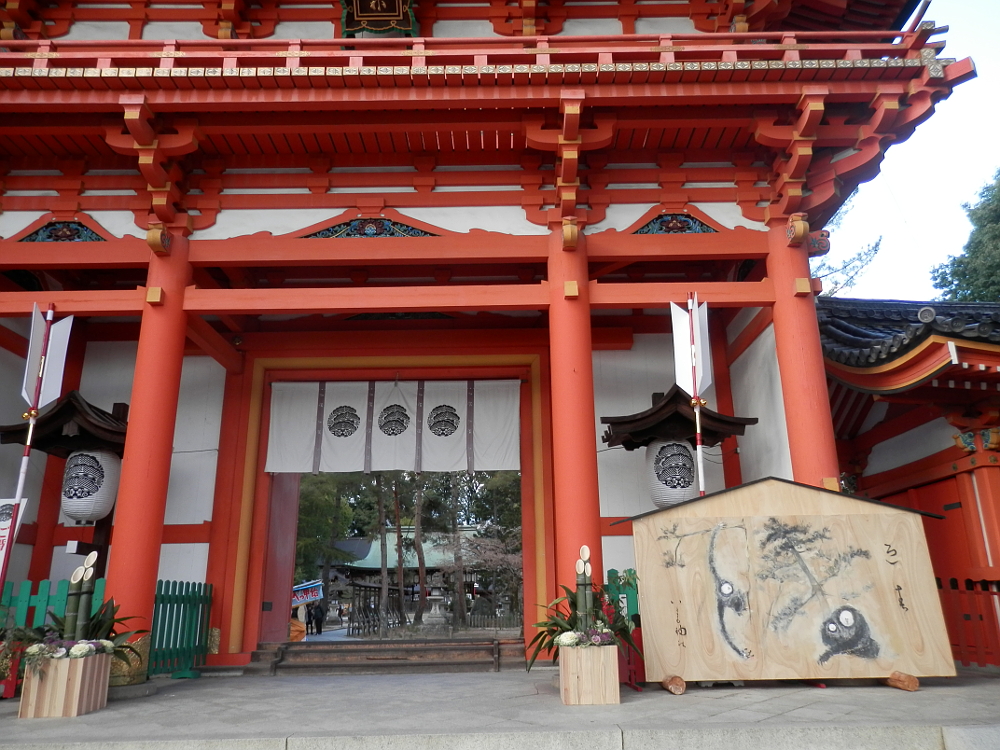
[(671, 472), (90, 484)]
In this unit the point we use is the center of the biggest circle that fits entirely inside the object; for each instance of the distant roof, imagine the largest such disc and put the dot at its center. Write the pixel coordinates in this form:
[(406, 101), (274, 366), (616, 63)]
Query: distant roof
[(437, 552), (868, 333)]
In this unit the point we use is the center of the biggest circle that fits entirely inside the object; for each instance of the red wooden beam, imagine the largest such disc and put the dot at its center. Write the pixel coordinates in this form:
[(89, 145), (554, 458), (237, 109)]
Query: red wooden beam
[(653, 294), (105, 302), (129, 252), (368, 299), (13, 342), (739, 244), (473, 248), (213, 344)]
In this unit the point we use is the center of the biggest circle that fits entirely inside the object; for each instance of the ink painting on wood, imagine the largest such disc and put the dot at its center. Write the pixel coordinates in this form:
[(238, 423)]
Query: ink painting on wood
[(775, 580)]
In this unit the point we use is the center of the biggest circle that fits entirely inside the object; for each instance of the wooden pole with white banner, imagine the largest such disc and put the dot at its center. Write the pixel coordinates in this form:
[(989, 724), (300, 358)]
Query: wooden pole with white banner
[(43, 373), (696, 401)]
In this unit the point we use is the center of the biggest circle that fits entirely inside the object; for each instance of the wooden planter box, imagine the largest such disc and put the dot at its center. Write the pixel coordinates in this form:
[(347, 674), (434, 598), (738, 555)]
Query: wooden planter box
[(66, 687), (588, 675)]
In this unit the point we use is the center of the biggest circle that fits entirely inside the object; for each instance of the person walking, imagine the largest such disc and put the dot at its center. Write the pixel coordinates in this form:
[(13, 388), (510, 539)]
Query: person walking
[(319, 616)]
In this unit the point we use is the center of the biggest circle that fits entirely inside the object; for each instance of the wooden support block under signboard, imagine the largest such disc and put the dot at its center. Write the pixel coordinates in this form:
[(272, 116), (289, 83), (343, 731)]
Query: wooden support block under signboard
[(588, 675)]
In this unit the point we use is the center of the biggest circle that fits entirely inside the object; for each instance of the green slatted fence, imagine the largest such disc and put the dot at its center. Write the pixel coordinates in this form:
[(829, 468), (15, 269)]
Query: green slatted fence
[(31, 609), (24, 605), (179, 639)]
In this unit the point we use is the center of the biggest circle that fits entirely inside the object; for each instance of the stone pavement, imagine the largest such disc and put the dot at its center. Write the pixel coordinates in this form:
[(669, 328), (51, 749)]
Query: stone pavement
[(512, 709)]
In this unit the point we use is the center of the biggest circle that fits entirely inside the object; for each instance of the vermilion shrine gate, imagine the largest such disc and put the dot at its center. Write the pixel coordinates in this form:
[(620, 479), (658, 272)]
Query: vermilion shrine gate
[(515, 194)]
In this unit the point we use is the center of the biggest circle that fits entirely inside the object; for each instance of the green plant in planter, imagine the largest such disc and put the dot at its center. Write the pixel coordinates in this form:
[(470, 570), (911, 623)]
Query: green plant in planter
[(106, 625), (563, 617)]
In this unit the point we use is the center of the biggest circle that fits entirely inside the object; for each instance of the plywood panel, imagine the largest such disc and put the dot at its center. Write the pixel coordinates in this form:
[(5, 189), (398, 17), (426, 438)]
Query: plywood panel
[(813, 592), (694, 591)]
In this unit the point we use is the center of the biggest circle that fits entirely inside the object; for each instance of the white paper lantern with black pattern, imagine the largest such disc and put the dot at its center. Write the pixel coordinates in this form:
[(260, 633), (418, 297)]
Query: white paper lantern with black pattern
[(671, 472), (90, 484)]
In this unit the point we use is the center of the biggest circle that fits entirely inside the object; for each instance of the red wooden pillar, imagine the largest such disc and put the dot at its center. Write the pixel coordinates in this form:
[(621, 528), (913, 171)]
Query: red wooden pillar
[(577, 518), (800, 361), (142, 494)]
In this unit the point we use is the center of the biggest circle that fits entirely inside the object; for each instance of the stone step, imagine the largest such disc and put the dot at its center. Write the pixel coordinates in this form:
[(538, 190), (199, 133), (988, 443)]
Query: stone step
[(388, 666), (374, 657)]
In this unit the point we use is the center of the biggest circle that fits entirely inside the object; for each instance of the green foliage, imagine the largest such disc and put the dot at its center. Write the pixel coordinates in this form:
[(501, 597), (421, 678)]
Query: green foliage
[(106, 625), (974, 276), (328, 506), (562, 616)]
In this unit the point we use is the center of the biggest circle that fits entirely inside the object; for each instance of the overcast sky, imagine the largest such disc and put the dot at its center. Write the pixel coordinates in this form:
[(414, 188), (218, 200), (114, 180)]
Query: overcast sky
[(915, 204)]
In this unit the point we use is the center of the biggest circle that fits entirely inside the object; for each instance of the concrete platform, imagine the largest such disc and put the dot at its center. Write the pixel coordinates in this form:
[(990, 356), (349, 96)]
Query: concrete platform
[(514, 709)]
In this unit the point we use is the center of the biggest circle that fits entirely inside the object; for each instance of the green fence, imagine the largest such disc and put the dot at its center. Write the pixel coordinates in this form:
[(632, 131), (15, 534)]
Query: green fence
[(31, 609), (179, 639), (619, 592)]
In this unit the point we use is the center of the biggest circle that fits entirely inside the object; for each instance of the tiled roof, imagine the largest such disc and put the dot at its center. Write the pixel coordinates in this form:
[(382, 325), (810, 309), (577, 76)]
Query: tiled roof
[(867, 333)]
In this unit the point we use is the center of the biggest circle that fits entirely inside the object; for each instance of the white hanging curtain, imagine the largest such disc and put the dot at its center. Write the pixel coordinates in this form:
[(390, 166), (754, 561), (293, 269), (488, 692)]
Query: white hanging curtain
[(496, 425), (378, 426), (443, 444), (291, 438), (394, 429), (344, 427)]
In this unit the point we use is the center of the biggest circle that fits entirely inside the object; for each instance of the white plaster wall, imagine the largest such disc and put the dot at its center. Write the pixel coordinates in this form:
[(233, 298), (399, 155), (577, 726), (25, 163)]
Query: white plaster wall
[(91, 30), (740, 321), (12, 222), (463, 29), (63, 565), (183, 562), (237, 223), (508, 219), (196, 442), (119, 223), (875, 415), (912, 445), (303, 30), (173, 30), (618, 553), (591, 27), (620, 216), (624, 382), (664, 26), (729, 215), (108, 367), (756, 386)]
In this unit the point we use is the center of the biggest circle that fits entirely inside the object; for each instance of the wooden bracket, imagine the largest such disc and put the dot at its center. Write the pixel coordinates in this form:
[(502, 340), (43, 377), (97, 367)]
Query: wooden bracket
[(571, 289)]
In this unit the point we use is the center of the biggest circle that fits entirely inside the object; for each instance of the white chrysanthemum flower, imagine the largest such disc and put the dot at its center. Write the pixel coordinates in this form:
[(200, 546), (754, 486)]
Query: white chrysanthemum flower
[(108, 646), (59, 653), (81, 650), (34, 648), (567, 639)]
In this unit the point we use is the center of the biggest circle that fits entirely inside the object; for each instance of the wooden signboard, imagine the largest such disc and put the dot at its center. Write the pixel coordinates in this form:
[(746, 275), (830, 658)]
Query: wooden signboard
[(776, 580)]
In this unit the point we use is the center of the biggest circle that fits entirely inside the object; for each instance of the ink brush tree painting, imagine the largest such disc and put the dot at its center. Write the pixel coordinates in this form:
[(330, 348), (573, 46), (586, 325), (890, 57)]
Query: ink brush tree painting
[(776, 580)]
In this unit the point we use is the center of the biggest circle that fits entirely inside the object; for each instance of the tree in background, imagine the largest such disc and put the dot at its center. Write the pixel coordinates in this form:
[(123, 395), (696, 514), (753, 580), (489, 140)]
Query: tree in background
[(974, 276), (843, 276), (326, 514)]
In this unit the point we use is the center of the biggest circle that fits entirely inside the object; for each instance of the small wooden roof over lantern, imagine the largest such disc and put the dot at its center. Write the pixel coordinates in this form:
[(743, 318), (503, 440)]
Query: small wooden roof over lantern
[(671, 418), (71, 425)]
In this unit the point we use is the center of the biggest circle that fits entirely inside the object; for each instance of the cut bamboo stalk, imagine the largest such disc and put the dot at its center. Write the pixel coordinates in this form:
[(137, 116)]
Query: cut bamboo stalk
[(83, 609), (73, 603)]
